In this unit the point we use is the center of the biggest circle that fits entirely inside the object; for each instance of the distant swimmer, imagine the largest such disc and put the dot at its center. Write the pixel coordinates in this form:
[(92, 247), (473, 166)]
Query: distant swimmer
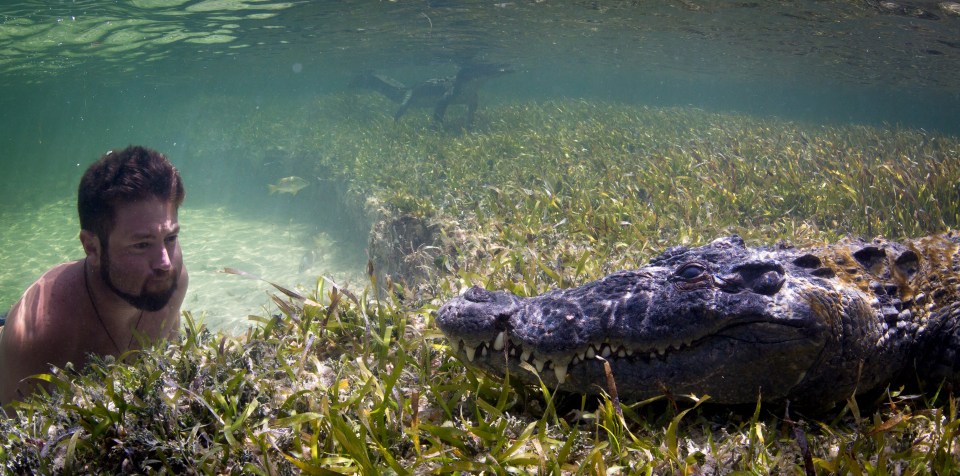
[(438, 93), (128, 290)]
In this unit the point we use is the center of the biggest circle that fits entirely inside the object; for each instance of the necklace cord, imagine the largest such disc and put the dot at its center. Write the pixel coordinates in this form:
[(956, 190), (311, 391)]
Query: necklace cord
[(86, 284)]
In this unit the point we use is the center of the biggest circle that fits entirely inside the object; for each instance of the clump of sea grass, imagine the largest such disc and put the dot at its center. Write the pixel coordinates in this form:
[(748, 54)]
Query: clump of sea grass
[(330, 384), (541, 188)]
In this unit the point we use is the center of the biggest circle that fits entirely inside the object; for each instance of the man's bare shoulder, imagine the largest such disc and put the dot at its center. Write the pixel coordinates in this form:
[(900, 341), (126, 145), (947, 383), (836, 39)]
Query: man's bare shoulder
[(52, 296), (37, 331), (43, 317)]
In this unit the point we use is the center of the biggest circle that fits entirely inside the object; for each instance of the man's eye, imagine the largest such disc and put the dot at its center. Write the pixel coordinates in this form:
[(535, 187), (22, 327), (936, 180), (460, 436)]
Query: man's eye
[(171, 239), (142, 245)]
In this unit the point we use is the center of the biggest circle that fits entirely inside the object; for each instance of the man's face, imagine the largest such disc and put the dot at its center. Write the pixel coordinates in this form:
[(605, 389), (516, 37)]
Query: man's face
[(142, 259)]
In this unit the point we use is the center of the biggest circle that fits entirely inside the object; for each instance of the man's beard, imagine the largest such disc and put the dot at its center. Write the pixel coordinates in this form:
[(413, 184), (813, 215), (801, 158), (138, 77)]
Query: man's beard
[(146, 301)]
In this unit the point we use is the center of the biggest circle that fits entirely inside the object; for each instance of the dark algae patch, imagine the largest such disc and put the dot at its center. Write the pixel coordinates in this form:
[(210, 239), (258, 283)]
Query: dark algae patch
[(532, 196)]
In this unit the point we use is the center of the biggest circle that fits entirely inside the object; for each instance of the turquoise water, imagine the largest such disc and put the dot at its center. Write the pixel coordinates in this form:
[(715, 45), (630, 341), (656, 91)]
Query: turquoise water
[(213, 238), (208, 81)]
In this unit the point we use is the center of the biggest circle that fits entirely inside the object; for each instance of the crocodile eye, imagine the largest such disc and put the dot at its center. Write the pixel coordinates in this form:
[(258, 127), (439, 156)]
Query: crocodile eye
[(690, 272)]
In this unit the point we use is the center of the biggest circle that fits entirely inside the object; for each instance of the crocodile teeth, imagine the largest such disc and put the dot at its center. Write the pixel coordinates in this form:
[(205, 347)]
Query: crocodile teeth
[(591, 352), (560, 370), (457, 345), (471, 352), (525, 355), (605, 351), (538, 364), (498, 342), (621, 352)]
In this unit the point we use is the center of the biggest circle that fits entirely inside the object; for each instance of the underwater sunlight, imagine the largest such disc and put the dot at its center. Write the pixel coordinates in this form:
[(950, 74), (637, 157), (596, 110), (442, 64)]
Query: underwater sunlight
[(450, 199)]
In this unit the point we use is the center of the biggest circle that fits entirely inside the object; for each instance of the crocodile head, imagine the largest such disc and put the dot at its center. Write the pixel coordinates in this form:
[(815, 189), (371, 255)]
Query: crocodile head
[(723, 320)]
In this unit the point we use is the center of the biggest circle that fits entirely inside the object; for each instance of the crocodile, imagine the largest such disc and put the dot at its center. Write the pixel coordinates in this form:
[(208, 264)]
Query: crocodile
[(438, 93), (813, 326)]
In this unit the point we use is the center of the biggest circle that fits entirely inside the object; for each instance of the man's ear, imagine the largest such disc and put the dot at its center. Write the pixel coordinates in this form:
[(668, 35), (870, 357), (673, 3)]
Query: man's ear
[(91, 245)]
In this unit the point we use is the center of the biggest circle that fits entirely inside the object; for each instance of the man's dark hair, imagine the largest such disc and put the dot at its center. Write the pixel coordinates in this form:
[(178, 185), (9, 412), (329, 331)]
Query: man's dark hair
[(132, 174)]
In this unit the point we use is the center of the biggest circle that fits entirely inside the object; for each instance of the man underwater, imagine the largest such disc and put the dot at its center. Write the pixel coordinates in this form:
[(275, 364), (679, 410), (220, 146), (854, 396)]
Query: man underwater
[(125, 293)]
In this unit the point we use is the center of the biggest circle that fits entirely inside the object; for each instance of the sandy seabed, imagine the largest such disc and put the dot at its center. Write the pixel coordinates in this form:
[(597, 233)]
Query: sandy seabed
[(290, 254)]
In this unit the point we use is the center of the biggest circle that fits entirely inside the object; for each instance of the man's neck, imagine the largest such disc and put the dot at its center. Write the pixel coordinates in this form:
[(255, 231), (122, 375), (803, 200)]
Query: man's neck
[(106, 303)]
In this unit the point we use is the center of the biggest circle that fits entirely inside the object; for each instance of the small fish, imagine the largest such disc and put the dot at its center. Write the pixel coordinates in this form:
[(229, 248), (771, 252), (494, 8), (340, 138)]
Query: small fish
[(291, 185)]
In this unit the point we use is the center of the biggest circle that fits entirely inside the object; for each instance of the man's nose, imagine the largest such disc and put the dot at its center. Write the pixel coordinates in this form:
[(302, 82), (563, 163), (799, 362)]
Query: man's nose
[(162, 261)]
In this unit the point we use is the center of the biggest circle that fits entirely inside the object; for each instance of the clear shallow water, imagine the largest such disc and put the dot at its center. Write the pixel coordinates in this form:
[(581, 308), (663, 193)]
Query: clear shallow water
[(207, 82), (229, 219), (285, 251)]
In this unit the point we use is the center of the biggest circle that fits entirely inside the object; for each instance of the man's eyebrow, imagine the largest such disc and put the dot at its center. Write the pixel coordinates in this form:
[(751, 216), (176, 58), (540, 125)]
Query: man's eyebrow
[(175, 229)]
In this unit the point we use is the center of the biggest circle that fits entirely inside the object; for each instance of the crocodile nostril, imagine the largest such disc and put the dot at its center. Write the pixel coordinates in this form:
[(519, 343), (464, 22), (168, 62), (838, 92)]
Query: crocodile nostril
[(768, 283), (761, 277), (808, 261)]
